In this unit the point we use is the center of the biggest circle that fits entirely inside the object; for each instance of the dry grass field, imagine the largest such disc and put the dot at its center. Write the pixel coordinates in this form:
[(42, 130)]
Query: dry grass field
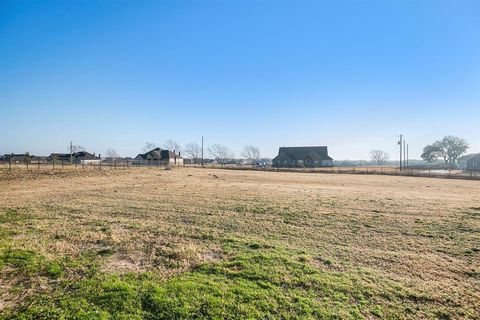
[(222, 244)]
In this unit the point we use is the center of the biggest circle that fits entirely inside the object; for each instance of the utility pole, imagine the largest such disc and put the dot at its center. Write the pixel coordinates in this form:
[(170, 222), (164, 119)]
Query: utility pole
[(404, 155), (400, 144), (71, 152), (202, 151), (407, 155)]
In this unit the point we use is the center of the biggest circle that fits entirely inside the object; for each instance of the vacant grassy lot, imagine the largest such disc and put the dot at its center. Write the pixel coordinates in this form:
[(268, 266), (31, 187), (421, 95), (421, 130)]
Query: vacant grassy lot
[(204, 243)]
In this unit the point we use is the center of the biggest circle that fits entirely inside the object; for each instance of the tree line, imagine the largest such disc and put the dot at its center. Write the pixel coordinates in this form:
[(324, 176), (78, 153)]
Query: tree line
[(449, 149)]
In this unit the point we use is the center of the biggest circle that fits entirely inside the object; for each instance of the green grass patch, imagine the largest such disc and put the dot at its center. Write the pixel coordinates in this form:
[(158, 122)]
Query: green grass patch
[(24, 261), (256, 283), (11, 215), (54, 269)]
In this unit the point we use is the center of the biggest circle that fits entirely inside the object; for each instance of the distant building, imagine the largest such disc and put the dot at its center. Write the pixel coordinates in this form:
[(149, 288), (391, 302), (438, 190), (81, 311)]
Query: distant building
[(309, 157), (81, 157), (60, 157), (473, 163), (158, 156), (15, 157), (40, 159), (20, 158), (463, 160), (208, 161), (84, 157)]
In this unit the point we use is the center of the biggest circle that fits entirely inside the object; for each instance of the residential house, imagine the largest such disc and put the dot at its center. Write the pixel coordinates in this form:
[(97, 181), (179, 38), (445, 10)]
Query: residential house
[(463, 160), (81, 157), (473, 163), (16, 157), (309, 157), (158, 156), (84, 157)]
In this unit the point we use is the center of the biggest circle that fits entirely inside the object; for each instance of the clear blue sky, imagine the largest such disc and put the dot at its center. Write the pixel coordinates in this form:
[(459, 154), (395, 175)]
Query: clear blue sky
[(347, 74)]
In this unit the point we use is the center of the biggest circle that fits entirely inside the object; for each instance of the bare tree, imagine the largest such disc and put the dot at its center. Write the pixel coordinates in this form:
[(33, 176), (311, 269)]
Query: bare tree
[(112, 154), (172, 145), (454, 147), (221, 153), (379, 156), (193, 150), (251, 153), (149, 146), (76, 148)]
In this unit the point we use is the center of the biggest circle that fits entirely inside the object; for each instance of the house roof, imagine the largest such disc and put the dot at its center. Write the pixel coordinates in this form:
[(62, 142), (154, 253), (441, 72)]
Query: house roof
[(153, 154), (16, 156), (468, 156), (474, 158), (169, 154), (60, 156), (157, 154), (83, 154), (300, 153)]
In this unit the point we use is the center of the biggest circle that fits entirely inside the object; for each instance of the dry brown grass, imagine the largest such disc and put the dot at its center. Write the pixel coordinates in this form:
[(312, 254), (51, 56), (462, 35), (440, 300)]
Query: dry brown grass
[(421, 233)]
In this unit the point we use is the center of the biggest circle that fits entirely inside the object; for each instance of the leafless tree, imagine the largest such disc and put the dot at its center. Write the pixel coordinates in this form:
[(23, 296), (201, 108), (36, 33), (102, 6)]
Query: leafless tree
[(221, 153), (172, 145), (194, 151), (149, 146), (112, 154), (251, 153), (454, 147), (76, 148), (379, 156)]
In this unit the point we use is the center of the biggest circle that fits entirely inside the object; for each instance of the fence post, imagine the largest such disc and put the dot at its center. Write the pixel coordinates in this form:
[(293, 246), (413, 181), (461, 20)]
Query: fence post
[(38, 163), (100, 165), (9, 163)]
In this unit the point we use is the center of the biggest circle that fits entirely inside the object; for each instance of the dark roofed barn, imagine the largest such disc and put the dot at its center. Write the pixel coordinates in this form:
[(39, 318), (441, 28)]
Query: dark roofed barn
[(309, 157)]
